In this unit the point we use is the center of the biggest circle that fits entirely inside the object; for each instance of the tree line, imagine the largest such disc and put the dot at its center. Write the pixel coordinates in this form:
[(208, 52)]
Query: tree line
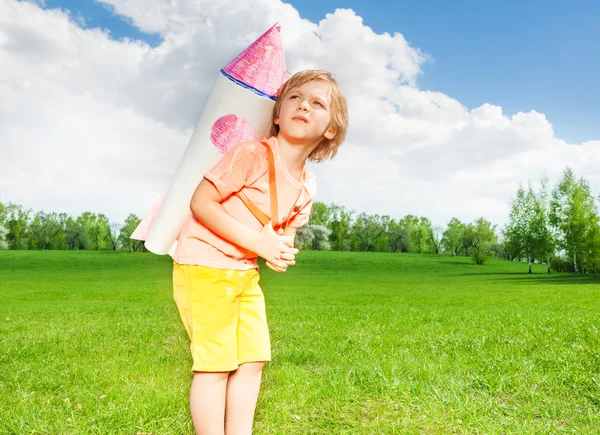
[(334, 227), (558, 227), (20, 228)]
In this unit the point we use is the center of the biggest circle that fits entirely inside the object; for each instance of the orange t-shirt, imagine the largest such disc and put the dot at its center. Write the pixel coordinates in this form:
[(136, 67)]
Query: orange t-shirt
[(245, 168)]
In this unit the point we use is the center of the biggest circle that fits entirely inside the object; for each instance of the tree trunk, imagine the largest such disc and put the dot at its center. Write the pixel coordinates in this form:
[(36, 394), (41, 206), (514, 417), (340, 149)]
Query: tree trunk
[(574, 255)]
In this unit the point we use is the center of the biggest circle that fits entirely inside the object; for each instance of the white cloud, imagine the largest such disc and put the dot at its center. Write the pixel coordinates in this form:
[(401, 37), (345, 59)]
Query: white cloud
[(89, 123)]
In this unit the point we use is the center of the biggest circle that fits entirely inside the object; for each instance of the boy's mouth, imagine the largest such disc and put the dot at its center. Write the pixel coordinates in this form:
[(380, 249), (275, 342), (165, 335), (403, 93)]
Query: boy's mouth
[(300, 118)]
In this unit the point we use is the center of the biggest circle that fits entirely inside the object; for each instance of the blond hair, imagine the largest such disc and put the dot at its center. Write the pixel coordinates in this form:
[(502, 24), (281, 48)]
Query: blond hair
[(327, 148)]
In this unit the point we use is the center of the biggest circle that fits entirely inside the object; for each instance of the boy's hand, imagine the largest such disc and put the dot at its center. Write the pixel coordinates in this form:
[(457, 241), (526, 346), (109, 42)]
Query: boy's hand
[(287, 258), (276, 249)]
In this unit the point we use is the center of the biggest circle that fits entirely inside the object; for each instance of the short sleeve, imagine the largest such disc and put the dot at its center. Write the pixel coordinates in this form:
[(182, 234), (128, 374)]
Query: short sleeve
[(301, 219), (234, 169), (303, 216)]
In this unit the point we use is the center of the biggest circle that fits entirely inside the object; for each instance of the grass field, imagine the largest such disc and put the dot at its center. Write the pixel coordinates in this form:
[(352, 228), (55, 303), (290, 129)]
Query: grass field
[(91, 343)]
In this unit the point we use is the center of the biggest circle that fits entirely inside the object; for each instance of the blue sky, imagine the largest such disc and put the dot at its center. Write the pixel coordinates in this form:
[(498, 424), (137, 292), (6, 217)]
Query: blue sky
[(520, 55)]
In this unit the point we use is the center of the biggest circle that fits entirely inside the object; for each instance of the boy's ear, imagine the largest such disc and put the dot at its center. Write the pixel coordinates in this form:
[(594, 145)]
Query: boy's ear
[(330, 133), (276, 121)]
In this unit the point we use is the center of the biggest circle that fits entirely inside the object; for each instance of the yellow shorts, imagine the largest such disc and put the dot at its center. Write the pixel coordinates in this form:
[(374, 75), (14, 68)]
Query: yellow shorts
[(224, 314)]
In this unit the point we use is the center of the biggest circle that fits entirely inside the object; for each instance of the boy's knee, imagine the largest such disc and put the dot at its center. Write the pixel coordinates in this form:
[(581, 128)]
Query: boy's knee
[(250, 368)]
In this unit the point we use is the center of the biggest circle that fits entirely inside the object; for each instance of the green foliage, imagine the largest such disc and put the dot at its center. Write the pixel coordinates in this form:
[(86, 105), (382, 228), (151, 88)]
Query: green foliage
[(313, 237), (369, 233), (574, 214), (321, 214), (541, 224), (76, 236), (304, 238), (3, 242), (47, 231), (527, 233), (397, 237), (341, 228), (453, 238), (3, 213), (16, 221), (480, 237), (320, 238), (131, 223)]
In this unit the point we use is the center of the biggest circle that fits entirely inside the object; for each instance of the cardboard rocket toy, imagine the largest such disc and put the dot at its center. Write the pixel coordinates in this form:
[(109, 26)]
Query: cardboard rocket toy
[(238, 109)]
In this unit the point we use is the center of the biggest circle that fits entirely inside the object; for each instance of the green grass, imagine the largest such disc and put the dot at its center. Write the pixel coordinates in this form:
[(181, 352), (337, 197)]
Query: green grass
[(91, 343)]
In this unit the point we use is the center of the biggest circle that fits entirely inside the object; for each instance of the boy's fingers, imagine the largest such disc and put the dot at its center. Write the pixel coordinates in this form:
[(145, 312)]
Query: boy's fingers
[(273, 267), (289, 250), (278, 266)]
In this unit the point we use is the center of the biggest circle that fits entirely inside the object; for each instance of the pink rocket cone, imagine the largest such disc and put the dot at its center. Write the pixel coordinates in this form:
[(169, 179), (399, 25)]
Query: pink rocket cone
[(261, 65)]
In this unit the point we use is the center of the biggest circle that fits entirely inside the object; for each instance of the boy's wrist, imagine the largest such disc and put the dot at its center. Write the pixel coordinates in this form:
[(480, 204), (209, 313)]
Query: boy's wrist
[(254, 242)]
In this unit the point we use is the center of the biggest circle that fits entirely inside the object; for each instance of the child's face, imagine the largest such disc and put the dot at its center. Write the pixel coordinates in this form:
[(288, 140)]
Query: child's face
[(305, 114)]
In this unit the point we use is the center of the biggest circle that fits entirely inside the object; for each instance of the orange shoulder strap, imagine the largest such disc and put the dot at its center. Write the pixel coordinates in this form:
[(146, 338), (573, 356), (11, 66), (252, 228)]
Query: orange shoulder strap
[(272, 185), (258, 213)]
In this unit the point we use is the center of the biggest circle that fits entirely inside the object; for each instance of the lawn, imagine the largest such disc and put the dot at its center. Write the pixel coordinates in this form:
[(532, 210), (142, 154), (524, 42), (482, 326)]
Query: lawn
[(363, 343)]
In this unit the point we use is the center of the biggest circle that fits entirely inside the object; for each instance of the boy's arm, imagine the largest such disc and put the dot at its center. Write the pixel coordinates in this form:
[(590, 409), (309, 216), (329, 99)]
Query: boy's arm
[(206, 206), (291, 232)]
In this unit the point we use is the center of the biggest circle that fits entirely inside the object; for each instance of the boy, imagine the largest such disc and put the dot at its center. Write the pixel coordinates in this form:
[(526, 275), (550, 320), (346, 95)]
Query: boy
[(215, 275)]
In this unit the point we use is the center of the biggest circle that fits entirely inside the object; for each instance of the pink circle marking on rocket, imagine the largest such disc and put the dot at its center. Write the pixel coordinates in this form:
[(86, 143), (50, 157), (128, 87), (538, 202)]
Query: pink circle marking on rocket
[(230, 130)]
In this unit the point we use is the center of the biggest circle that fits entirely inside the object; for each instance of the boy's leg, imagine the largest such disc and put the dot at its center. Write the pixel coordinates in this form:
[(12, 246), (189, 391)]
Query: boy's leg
[(243, 386), (207, 402)]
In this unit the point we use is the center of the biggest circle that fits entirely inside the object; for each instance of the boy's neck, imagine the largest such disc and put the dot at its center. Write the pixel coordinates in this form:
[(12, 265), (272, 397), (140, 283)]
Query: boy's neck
[(294, 156)]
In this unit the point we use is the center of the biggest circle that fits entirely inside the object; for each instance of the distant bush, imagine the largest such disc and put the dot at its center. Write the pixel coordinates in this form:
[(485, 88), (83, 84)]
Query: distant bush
[(3, 242), (561, 264)]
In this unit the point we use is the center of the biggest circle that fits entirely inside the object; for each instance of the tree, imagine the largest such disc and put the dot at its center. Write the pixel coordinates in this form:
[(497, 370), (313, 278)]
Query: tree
[(97, 228), (341, 224), (421, 235), (369, 232), (3, 242), (592, 248), (320, 237), (3, 215), (131, 223), (590, 222), (573, 214), (17, 223), (321, 214), (515, 228), (397, 237), (45, 230), (75, 234), (435, 238), (482, 236), (409, 223), (546, 236), (112, 235), (522, 227), (453, 237), (304, 238)]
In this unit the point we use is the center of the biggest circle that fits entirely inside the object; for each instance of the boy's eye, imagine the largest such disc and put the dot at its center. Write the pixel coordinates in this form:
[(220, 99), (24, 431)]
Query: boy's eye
[(293, 97), (318, 103)]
